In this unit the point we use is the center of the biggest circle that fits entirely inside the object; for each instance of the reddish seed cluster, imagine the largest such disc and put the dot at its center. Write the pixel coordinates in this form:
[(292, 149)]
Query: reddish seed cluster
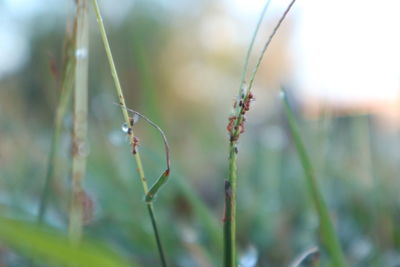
[(233, 129), (135, 144), (231, 123), (246, 103)]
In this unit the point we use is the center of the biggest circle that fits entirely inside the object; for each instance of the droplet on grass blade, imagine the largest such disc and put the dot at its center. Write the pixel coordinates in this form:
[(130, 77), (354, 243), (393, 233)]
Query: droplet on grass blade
[(125, 128), (81, 53)]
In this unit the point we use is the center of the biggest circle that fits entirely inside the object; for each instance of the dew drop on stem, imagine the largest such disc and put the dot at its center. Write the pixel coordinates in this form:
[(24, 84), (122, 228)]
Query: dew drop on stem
[(125, 128)]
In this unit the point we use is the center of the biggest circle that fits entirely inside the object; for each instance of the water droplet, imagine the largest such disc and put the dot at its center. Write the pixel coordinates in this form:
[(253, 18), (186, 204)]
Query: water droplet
[(125, 128), (249, 257), (282, 94), (81, 53)]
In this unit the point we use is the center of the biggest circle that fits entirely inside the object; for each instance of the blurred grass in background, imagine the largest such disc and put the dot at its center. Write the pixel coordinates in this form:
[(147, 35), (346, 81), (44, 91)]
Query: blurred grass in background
[(185, 83)]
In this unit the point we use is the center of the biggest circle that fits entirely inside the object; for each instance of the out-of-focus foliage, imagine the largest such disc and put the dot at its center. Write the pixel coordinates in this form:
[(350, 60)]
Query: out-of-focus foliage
[(54, 247), (173, 76)]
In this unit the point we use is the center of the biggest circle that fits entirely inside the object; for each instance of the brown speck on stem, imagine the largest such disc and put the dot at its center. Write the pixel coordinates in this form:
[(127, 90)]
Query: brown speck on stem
[(74, 148), (228, 197), (135, 144), (228, 189)]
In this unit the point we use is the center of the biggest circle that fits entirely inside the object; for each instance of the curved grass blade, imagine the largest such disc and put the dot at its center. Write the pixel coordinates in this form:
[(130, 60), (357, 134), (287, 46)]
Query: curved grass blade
[(40, 242), (329, 238), (151, 193), (127, 121)]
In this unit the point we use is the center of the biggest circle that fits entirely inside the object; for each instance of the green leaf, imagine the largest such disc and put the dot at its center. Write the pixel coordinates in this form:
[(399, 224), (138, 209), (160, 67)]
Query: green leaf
[(156, 186), (51, 246), (328, 234)]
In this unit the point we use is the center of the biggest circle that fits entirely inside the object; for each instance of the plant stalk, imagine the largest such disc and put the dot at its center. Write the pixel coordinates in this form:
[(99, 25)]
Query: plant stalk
[(230, 211), (79, 140), (124, 109), (67, 83), (329, 238), (235, 128)]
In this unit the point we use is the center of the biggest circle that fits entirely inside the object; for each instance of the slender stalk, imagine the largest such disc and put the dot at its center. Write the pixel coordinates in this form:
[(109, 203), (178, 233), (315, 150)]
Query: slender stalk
[(235, 128), (131, 135), (79, 143), (328, 234), (67, 82), (230, 211), (250, 48)]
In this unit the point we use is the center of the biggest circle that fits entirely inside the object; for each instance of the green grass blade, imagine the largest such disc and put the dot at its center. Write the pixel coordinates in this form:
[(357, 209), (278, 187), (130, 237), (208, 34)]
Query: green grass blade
[(121, 102), (156, 186), (53, 247), (329, 238)]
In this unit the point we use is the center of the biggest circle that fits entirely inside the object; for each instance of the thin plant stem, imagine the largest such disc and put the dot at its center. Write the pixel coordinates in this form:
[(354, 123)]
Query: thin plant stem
[(79, 139), (266, 45), (67, 82), (125, 114), (329, 238), (151, 193), (235, 128), (250, 48)]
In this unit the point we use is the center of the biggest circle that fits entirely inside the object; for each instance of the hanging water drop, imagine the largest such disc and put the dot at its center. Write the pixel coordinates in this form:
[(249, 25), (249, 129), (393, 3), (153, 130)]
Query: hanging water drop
[(125, 128)]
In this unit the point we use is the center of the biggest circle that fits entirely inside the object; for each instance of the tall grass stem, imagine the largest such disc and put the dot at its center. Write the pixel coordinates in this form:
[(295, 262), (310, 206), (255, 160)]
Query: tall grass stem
[(67, 84), (125, 114), (329, 238), (237, 122), (79, 138)]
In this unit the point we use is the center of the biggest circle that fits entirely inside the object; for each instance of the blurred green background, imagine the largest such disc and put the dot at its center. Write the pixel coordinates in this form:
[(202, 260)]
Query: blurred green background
[(180, 65)]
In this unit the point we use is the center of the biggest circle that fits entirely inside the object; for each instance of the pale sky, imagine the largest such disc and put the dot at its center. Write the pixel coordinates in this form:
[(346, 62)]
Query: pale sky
[(342, 50)]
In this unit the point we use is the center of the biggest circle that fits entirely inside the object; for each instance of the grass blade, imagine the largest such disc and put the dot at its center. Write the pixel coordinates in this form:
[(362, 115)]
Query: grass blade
[(127, 119), (235, 129), (165, 175), (35, 241), (67, 83), (79, 139), (156, 186), (329, 239)]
